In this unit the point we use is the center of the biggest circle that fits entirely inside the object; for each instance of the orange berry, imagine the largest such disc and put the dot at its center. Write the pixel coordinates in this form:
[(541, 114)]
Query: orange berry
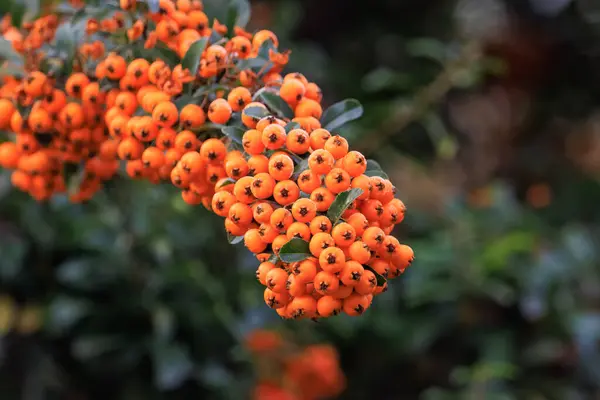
[(281, 219), (222, 202), (303, 307), (253, 241), (277, 280), (252, 142), (262, 212), (319, 242), (219, 111), (153, 158), (403, 258), (355, 304), (9, 155), (257, 164), (354, 163), (273, 137), (366, 284), (238, 98), (323, 198), (165, 114), (298, 141), (337, 180), (326, 283), (308, 181), (298, 230), (359, 251), (295, 286), (213, 150), (267, 233), (237, 168), (362, 182), (328, 306), (343, 234), (278, 243), (281, 167), (313, 91), (321, 162), (332, 259), (308, 108), (372, 210), (262, 186), (351, 274), (263, 270), (320, 224), (275, 300), (192, 116), (186, 141), (292, 91), (286, 192), (304, 210), (337, 146), (305, 270)]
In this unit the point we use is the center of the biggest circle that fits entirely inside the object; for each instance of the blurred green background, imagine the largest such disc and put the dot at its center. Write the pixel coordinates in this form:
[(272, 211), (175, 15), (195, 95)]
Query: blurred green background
[(485, 114)]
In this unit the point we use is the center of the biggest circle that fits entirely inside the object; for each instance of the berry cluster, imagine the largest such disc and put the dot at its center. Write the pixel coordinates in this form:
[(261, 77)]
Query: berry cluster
[(289, 371), (162, 94)]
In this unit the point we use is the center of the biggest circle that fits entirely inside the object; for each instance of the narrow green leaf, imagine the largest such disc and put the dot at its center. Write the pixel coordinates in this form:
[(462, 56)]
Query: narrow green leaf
[(255, 64), (341, 113), (341, 204), (374, 169), (243, 13), (276, 104), (380, 279), (294, 250), (183, 101), (234, 133), (291, 126), (273, 259), (226, 182), (191, 60), (263, 51), (166, 54), (214, 38), (256, 112), (234, 239), (209, 89), (300, 167), (7, 52)]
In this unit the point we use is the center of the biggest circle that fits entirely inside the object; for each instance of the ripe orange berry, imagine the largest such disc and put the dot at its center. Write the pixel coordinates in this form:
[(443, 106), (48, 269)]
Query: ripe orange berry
[(328, 306), (304, 210), (303, 307), (276, 300), (313, 91), (337, 180), (404, 257), (186, 141), (318, 138), (362, 182), (115, 66), (267, 233), (326, 283), (277, 280), (252, 142), (305, 270), (321, 162), (273, 137), (281, 167), (213, 150), (219, 111), (355, 304), (323, 198), (359, 251), (192, 116), (308, 181), (351, 274), (298, 230), (263, 185), (253, 241), (222, 202), (262, 212), (298, 141), (243, 190), (262, 271), (354, 163), (343, 234), (337, 146), (237, 168), (9, 155), (286, 192), (308, 108), (366, 284), (40, 121), (234, 229), (153, 158), (292, 91), (332, 259), (319, 242), (342, 292), (238, 98), (165, 114), (320, 224), (278, 243), (281, 219), (372, 210), (295, 286)]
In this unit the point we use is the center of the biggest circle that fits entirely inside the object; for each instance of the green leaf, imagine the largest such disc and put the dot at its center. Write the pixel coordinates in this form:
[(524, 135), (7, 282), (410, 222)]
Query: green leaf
[(341, 204), (263, 50), (380, 279), (191, 60), (273, 259), (276, 104), (300, 167), (226, 182), (208, 89), (294, 250), (374, 169), (183, 101), (291, 126), (164, 53), (7, 52), (256, 112), (65, 40), (234, 239), (341, 113), (235, 133), (427, 48)]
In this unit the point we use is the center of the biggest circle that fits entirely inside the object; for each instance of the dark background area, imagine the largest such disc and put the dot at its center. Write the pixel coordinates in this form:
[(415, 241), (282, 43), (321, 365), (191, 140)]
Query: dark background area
[(485, 114)]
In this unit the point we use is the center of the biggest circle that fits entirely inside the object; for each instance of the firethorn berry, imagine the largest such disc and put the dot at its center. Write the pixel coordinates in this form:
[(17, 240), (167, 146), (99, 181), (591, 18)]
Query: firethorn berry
[(262, 186), (281, 167), (281, 219), (355, 304), (237, 168), (321, 162), (219, 111), (332, 259), (278, 242), (337, 180), (304, 210), (295, 287), (319, 242), (275, 300), (273, 137), (222, 202), (262, 212), (192, 116), (337, 146), (308, 181), (298, 230), (328, 306), (323, 198), (326, 283), (298, 141), (267, 233), (277, 280), (286, 192), (352, 272), (303, 306), (292, 91), (253, 241), (165, 114), (263, 270), (343, 234)]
